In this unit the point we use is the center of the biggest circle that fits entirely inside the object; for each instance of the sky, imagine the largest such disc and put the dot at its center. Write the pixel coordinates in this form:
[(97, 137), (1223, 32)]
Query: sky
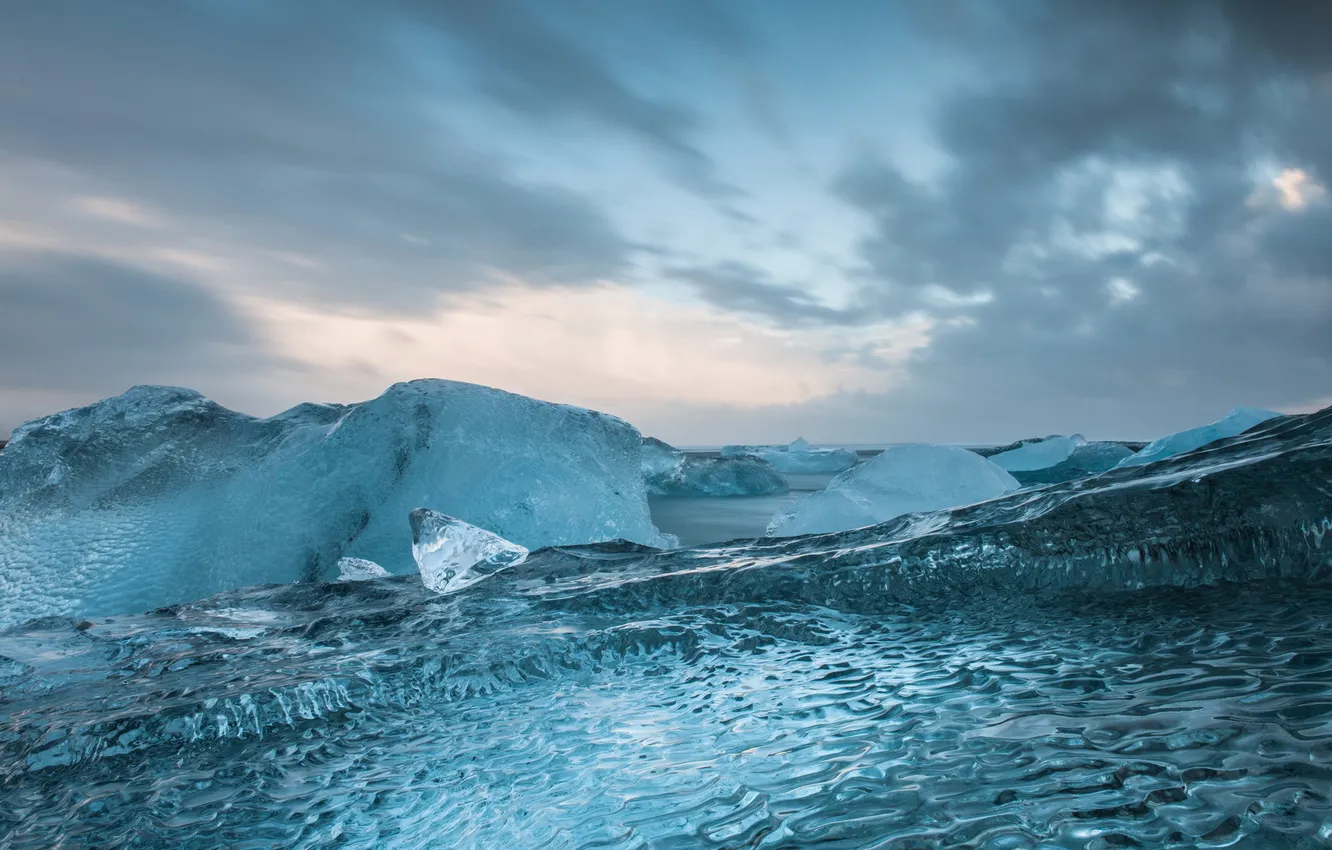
[(731, 221)]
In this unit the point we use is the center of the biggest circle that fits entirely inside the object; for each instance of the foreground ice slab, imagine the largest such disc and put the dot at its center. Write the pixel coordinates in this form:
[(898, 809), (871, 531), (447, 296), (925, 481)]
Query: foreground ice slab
[(900, 480), (1234, 423), (668, 471), (1038, 454), (798, 458), (160, 495), (1141, 659), (359, 569), (452, 554)]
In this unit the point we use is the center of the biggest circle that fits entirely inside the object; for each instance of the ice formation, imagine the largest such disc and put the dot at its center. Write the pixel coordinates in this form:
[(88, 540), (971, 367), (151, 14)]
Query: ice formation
[(900, 480), (798, 458), (667, 471), (1038, 454), (1234, 423), (823, 691), (1086, 460), (359, 569), (160, 495), (452, 554)]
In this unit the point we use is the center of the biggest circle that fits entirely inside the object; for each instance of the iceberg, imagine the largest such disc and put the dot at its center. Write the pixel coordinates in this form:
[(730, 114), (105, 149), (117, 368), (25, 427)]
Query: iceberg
[(901, 480), (667, 471), (359, 569), (1233, 424), (1086, 460), (798, 458), (452, 554), (160, 495), (1038, 454)]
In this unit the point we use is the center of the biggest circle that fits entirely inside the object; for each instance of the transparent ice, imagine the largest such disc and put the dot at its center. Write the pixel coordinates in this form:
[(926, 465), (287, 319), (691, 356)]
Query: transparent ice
[(452, 554), (359, 569), (667, 471)]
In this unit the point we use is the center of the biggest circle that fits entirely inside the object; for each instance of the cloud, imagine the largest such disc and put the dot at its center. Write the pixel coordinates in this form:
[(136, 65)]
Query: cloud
[(79, 328), (1106, 159), (744, 289)]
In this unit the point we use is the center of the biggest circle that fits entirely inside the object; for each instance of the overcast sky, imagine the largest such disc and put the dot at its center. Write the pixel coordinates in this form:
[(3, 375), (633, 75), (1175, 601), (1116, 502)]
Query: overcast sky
[(735, 221)]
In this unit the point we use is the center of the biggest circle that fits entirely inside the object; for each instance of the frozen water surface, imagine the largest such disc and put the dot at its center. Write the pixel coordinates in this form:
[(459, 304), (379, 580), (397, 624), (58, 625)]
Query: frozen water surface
[(1142, 658)]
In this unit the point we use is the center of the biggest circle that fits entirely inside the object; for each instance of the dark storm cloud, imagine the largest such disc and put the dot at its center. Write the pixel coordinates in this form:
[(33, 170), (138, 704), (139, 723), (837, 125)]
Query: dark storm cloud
[(87, 325), (326, 128), (1233, 299)]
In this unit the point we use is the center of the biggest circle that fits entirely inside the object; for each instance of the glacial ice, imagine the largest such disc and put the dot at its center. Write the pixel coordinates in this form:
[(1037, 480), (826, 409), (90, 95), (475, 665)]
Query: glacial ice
[(452, 554), (1086, 460), (359, 569), (1232, 424), (900, 480), (667, 471), (1139, 659), (1038, 454), (798, 458), (160, 495)]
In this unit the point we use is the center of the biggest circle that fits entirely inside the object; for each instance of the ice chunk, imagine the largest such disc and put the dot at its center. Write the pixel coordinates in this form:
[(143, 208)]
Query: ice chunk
[(1236, 422), (720, 476), (798, 457), (1086, 460), (160, 496), (668, 471), (900, 480), (452, 554), (1038, 454), (359, 569)]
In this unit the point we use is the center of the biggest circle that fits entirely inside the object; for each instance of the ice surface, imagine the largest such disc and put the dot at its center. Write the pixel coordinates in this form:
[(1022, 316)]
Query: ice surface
[(160, 495), (798, 458), (667, 471), (452, 554), (900, 480), (1038, 454), (1234, 423), (359, 569), (1142, 659)]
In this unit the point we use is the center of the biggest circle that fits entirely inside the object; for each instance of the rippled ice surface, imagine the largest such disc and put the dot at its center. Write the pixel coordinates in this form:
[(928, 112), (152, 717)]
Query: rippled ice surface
[(1192, 718), (1142, 660)]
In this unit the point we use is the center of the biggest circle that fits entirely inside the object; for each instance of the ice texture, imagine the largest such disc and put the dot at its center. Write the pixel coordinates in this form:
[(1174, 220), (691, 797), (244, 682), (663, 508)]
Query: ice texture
[(1086, 460), (667, 471), (452, 554), (1038, 454), (900, 480), (1139, 659), (359, 569), (798, 458), (160, 495), (1234, 423)]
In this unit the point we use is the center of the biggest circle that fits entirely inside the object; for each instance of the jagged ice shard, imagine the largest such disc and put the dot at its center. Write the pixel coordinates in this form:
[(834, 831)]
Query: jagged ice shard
[(452, 554), (359, 569), (160, 496), (900, 480)]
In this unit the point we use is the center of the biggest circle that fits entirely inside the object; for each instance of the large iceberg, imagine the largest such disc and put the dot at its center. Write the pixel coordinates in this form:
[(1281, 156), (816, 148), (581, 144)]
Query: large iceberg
[(452, 554), (160, 495), (798, 458), (667, 471), (1233, 424), (900, 480)]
